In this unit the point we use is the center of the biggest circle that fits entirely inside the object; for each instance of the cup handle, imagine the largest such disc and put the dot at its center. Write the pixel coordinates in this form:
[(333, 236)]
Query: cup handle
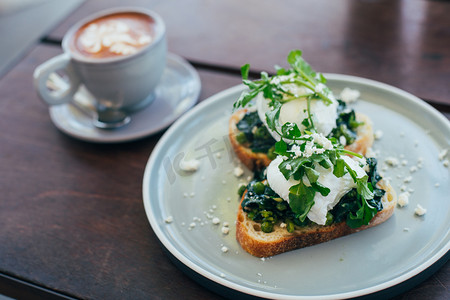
[(43, 73)]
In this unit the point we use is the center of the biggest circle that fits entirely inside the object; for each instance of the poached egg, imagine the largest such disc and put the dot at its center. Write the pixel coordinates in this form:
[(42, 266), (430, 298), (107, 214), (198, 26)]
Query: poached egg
[(339, 186), (295, 111)]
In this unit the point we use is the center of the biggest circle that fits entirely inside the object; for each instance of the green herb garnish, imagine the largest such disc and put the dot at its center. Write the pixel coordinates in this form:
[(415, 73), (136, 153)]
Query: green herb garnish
[(274, 90)]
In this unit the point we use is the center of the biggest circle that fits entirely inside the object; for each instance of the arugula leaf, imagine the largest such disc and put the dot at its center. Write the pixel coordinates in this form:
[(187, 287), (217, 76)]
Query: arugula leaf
[(272, 117), (301, 199), (293, 169), (362, 216), (323, 190), (312, 175), (364, 188), (339, 168), (290, 131), (281, 148), (293, 56), (325, 162), (244, 71)]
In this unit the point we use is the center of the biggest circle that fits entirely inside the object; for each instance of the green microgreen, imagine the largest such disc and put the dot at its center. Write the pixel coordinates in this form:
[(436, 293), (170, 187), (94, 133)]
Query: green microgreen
[(274, 90)]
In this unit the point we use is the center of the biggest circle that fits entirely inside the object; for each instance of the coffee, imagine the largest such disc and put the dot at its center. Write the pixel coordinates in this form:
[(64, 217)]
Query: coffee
[(114, 35)]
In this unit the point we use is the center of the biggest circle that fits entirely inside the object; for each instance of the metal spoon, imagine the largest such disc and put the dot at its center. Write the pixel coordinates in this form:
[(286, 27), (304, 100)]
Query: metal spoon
[(110, 119)]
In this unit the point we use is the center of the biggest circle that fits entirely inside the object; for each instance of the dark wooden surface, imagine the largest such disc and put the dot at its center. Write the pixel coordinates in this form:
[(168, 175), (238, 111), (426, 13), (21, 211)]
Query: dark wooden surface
[(71, 214), (403, 43)]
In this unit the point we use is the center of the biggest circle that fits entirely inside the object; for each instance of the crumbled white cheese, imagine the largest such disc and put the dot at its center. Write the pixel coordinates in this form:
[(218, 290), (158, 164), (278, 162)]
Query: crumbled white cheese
[(446, 163), (225, 230), (218, 155), (443, 154), (392, 161), (169, 219), (192, 225), (226, 224), (403, 199), (189, 165), (283, 225), (224, 249), (238, 171), (216, 220), (404, 162), (420, 211), (378, 134), (349, 95), (413, 169), (223, 275), (407, 179)]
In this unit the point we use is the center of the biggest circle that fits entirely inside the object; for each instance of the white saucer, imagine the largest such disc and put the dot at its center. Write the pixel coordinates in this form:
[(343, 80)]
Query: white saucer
[(177, 92)]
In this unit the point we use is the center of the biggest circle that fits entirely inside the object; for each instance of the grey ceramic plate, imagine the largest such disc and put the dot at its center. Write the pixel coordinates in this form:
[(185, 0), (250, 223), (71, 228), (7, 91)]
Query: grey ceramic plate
[(360, 264), (177, 92)]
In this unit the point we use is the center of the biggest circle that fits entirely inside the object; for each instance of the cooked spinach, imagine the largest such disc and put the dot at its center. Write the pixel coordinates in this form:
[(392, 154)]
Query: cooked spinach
[(256, 133), (264, 206), (360, 212), (346, 124)]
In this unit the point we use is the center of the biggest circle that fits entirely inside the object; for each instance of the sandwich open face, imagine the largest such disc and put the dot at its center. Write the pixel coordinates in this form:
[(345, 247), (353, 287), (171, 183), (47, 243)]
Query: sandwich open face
[(312, 182)]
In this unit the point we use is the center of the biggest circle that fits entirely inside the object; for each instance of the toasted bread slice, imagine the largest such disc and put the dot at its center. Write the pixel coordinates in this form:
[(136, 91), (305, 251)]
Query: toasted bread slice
[(261, 244), (255, 161)]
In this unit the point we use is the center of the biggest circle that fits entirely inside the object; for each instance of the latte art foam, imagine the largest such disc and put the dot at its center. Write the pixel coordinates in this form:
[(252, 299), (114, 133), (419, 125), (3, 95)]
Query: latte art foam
[(116, 35)]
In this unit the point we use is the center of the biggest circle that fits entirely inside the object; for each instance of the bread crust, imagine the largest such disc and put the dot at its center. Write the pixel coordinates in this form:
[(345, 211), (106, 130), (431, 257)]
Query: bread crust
[(255, 161), (261, 244)]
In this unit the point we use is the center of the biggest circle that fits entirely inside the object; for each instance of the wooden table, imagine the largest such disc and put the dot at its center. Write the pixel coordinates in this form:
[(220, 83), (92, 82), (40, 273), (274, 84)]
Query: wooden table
[(72, 219)]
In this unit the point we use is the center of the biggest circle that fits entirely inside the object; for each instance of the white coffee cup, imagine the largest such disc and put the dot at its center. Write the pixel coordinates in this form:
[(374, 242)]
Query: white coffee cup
[(119, 55)]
